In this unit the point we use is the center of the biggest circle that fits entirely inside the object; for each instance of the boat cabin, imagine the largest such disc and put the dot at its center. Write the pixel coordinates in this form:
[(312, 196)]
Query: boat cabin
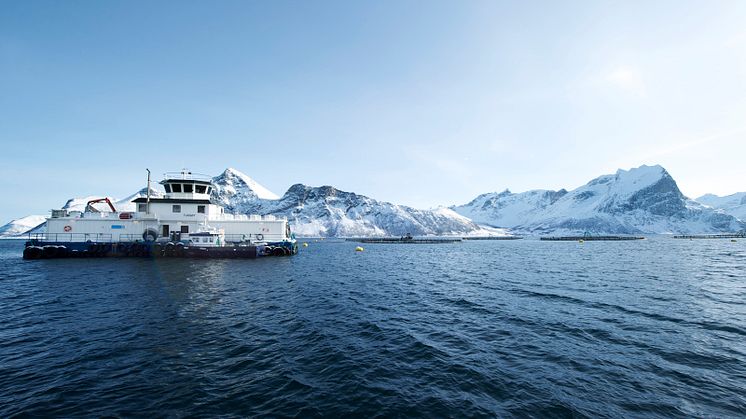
[(207, 239)]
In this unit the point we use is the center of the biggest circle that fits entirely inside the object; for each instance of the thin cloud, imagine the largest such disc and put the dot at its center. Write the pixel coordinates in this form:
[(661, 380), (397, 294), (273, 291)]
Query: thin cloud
[(627, 78)]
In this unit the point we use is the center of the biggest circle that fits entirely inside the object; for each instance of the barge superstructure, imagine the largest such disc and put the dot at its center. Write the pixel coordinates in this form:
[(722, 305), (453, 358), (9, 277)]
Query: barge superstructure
[(183, 222)]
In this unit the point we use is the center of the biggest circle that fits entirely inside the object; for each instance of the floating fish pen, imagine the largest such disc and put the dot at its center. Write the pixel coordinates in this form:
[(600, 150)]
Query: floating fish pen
[(494, 238), (711, 236), (406, 240), (591, 238)]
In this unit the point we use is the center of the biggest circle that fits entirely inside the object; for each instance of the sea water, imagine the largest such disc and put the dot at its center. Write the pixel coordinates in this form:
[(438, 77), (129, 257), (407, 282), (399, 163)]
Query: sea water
[(506, 328)]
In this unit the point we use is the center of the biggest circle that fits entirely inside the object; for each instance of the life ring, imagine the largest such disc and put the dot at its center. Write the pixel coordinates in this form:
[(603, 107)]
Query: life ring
[(260, 236), (67, 229)]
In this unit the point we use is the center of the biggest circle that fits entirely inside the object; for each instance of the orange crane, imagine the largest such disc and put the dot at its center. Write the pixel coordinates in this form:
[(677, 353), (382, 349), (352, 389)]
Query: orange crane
[(90, 208)]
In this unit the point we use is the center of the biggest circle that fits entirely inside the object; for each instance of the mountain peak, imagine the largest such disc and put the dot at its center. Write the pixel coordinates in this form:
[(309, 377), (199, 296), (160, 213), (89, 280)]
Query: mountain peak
[(628, 182), (233, 176), (652, 172)]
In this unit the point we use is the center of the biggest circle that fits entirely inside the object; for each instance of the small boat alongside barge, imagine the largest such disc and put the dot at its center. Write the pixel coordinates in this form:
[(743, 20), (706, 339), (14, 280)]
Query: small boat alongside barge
[(182, 223)]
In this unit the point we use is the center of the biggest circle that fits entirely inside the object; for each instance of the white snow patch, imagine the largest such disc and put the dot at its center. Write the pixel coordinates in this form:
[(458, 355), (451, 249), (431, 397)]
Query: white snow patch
[(22, 225), (259, 190)]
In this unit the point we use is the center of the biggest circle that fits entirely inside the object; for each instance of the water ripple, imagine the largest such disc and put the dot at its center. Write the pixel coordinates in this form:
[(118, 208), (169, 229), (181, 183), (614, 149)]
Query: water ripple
[(511, 329)]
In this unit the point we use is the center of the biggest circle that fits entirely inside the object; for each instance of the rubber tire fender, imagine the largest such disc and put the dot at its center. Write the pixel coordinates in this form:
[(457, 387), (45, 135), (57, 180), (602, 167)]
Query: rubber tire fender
[(149, 235)]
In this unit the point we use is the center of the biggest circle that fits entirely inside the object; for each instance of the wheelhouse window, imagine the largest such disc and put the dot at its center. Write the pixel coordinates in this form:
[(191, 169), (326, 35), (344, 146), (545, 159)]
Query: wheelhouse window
[(142, 207), (176, 187), (209, 189), (167, 187), (185, 229), (200, 188), (188, 188), (200, 209), (176, 208)]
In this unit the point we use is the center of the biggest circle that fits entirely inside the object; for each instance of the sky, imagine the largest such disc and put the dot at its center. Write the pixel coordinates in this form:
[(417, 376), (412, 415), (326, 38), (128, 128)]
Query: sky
[(423, 103)]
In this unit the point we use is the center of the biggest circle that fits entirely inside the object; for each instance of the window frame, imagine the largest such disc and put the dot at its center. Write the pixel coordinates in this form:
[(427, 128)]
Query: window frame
[(176, 208)]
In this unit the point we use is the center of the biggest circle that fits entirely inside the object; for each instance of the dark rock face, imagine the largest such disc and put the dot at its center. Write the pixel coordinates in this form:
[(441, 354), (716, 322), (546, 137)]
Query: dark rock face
[(662, 198), (554, 196), (583, 196)]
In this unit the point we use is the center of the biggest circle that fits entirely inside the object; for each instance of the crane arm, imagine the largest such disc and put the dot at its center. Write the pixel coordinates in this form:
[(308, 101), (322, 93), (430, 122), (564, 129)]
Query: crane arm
[(89, 207)]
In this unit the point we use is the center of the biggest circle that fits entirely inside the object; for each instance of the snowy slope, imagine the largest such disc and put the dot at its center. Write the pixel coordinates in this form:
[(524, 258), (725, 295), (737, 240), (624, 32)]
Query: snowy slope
[(641, 200), (21, 226), (327, 211), (734, 204), (240, 187)]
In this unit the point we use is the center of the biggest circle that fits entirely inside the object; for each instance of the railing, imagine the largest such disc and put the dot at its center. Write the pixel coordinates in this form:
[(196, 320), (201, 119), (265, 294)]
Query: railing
[(108, 215), (240, 238), (72, 237), (186, 175), (128, 238), (242, 217)]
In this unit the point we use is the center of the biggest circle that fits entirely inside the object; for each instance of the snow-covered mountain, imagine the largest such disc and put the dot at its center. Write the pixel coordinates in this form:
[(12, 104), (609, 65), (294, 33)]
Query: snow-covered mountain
[(318, 211), (22, 226), (640, 200), (329, 212), (734, 204)]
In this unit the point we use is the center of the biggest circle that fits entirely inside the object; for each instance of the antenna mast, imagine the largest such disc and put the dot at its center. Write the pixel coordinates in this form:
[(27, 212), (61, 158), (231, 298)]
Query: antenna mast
[(147, 205)]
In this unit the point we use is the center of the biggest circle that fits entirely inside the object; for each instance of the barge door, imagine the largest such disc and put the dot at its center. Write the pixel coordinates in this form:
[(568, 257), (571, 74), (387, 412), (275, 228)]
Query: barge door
[(166, 232)]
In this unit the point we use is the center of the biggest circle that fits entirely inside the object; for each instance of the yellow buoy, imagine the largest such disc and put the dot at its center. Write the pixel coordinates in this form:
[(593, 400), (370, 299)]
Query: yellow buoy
[(581, 241), (733, 240), (305, 244), (358, 249)]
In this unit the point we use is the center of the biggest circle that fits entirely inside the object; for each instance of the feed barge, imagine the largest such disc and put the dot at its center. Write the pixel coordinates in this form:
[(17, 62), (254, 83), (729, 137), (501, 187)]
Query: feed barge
[(182, 223), (591, 238)]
